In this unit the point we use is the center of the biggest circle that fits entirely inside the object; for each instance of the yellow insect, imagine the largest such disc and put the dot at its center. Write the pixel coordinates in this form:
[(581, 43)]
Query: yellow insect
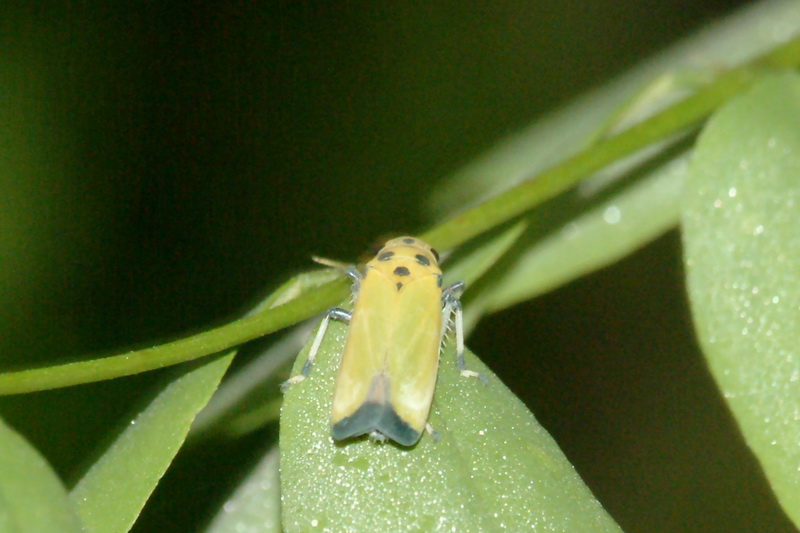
[(388, 369)]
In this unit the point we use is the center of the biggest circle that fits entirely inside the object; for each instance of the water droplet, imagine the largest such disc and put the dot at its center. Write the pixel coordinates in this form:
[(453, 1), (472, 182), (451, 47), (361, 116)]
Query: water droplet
[(612, 214), (571, 230)]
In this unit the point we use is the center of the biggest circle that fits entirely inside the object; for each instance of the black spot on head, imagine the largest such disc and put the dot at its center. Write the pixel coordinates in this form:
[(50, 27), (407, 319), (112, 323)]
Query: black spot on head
[(435, 254), (439, 280), (399, 285), (409, 240), (385, 256), (401, 271)]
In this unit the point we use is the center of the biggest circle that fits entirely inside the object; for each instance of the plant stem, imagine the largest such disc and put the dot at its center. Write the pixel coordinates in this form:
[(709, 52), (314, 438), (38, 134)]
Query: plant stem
[(686, 114), (179, 351)]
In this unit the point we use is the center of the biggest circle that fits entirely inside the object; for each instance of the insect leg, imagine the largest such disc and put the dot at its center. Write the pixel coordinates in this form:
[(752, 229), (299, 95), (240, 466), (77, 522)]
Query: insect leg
[(453, 292), (452, 306), (353, 273), (336, 313), (432, 432)]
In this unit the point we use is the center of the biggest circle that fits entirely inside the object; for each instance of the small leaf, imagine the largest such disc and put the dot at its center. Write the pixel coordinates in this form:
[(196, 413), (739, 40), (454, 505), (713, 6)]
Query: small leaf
[(741, 227), (582, 232), (579, 232), (478, 257), (473, 263), (494, 469), (551, 139), (255, 507), (111, 495), (32, 498), (252, 389)]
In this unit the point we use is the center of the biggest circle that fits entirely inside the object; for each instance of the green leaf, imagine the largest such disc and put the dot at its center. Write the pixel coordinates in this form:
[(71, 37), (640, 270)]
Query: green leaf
[(494, 469), (665, 77), (741, 225), (111, 495), (256, 505), (620, 209), (474, 263), (476, 258), (32, 498), (586, 230), (246, 400)]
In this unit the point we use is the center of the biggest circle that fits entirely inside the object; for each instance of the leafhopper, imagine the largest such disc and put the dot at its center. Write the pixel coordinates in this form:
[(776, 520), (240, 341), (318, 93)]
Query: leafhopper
[(387, 373)]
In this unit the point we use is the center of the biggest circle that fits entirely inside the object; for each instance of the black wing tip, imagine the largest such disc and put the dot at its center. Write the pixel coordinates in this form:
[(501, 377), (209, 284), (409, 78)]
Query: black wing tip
[(376, 417)]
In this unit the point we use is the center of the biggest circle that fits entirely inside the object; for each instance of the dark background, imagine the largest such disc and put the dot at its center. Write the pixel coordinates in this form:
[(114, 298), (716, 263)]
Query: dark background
[(164, 164)]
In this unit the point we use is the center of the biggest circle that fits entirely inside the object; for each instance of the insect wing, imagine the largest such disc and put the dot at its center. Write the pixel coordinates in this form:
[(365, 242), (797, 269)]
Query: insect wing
[(413, 358), (364, 357)]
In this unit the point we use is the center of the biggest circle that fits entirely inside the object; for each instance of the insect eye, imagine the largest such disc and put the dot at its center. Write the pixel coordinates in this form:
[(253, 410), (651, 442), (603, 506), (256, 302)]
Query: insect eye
[(435, 254), (422, 260)]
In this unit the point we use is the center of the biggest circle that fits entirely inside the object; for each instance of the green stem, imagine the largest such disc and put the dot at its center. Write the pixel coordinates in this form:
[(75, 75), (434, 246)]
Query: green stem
[(684, 115), (206, 343)]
